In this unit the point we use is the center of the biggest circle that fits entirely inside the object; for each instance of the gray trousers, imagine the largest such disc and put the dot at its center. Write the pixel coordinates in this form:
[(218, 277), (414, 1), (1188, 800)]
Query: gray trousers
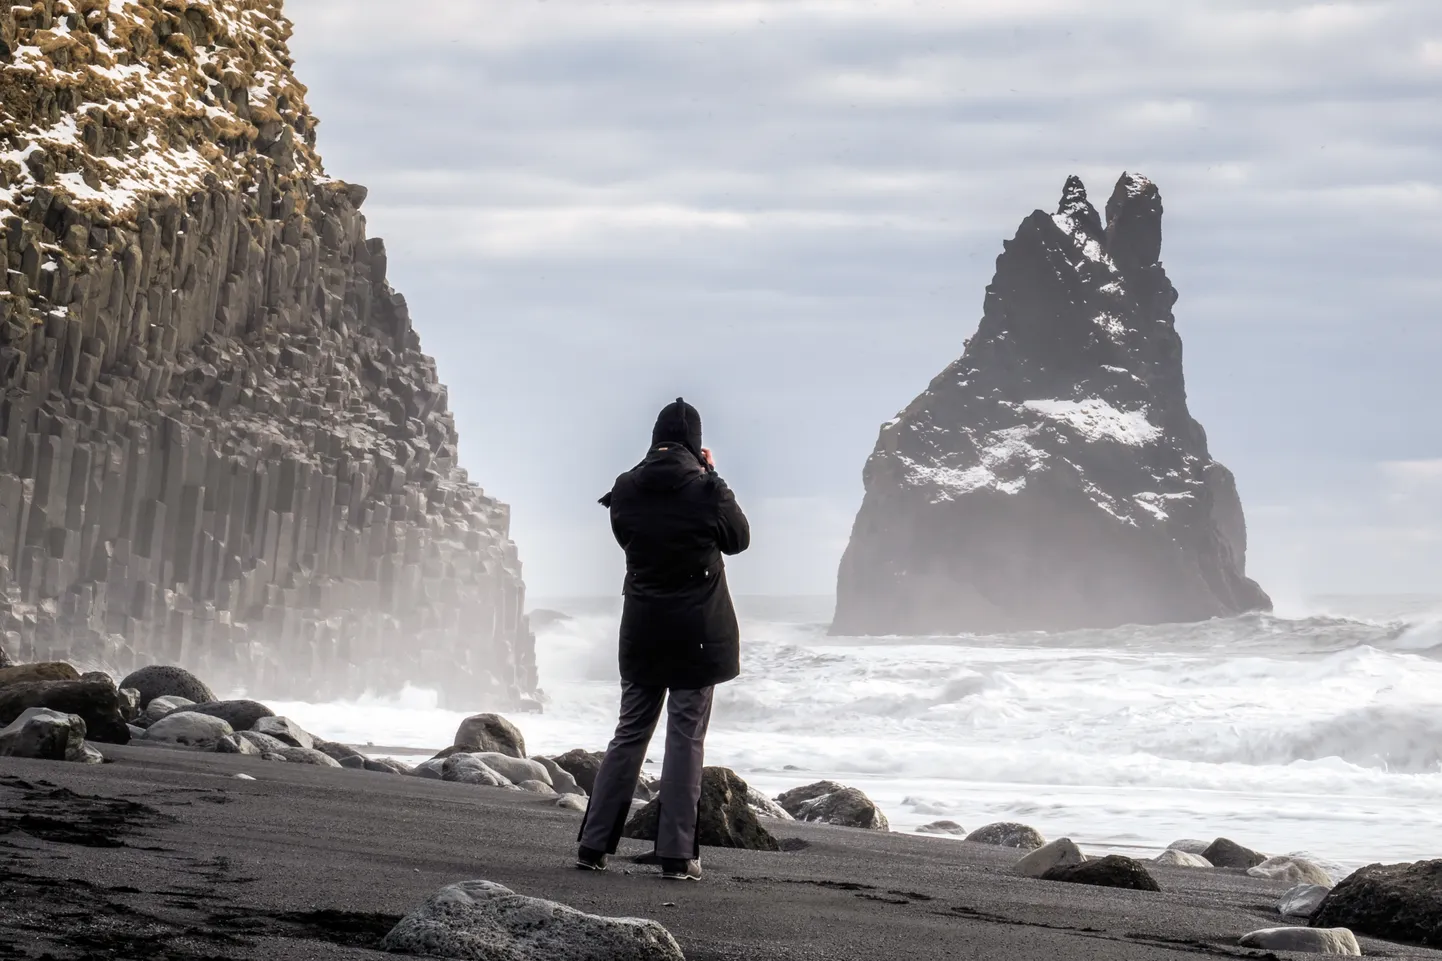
[(688, 715)]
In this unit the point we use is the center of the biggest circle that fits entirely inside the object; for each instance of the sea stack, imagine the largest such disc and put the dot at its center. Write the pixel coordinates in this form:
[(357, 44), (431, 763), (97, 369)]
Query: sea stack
[(1053, 478), (220, 443)]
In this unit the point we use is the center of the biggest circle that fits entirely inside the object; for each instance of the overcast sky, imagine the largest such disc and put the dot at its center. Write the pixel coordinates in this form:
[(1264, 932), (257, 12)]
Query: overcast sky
[(788, 212)]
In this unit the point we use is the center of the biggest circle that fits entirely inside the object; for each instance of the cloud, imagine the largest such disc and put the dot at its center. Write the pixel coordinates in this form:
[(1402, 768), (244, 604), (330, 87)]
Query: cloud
[(792, 209)]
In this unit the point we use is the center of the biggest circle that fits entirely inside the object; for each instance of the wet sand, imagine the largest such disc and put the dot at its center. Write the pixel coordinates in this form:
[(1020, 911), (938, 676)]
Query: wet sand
[(165, 856)]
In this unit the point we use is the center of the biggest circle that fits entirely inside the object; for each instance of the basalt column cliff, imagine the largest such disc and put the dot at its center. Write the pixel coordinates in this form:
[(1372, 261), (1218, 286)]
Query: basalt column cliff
[(222, 446), (1052, 478)]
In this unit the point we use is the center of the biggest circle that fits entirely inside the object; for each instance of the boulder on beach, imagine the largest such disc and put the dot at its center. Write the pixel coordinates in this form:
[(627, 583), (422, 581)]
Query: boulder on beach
[(1302, 901), (5, 660), (572, 802), (285, 730), (470, 769), (240, 714), (796, 798), (942, 827), (42, 671), (560, 780), (335, 749), (1174, 858), (1395, 902), (196, 732), (266, 743), (490, 733), (1334, 941), (1225, 853), (1008, 834), (513, 769), (158, 680), (1060, 853), (386, 765), (537, 787), (96, 702), (848, 808), (307, 755), (581, 765), (1293, 869), (1189, 845), (1112, 871), (482, 921), (432, 769), (47, 735), (160, 707), (765, 807), (726, 820), (235, 744)]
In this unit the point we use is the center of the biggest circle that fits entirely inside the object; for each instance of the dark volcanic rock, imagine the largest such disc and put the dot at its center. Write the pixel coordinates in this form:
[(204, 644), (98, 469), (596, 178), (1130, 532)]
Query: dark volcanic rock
[(1112, 871), (1396, 902), (336, 750), (726, 821), (797, 798), (844, 807), (5, 658), (43, 671), (240, 715), (1226, 853), (98, 703), (160, 680), (1052, 478), (581, 765)]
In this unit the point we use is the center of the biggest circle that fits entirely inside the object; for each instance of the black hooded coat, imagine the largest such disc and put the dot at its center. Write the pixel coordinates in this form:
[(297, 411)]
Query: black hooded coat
[(675, 518)]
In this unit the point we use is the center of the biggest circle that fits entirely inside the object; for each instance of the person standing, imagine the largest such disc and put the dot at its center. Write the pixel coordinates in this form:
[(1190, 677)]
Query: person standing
[(675, 518)]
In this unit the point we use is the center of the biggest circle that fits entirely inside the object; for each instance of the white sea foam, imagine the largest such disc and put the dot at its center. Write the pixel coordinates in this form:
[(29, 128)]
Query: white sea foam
[(1319, 733)]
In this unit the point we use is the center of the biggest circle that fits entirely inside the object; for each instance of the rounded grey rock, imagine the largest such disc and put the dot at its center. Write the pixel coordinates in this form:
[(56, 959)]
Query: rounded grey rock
[(482, 921), (158, 680), (1333, 941), (1008, 834), (286, 730), (198, 732)]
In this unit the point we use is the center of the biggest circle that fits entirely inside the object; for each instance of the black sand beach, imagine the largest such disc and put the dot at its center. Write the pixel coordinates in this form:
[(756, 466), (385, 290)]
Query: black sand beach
[(164, 855)]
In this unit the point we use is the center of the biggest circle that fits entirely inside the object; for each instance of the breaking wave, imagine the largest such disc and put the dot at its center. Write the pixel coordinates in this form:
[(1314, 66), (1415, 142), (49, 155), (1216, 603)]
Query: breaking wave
[(1322, 732)]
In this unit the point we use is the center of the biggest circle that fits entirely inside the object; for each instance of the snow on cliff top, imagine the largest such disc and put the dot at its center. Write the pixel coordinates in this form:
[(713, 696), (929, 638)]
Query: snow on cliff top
[(110, 101)]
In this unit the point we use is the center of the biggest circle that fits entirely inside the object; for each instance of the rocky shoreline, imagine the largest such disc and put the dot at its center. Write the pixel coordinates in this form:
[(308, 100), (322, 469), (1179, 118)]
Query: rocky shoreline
[(172, 721)]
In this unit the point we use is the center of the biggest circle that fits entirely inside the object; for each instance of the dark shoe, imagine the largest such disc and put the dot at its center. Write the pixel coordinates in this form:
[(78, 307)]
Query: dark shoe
[(678, 869), (589, 860)]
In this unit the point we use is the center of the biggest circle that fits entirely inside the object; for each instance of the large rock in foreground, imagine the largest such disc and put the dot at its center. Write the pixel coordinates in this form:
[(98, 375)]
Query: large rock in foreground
[(483, 921), (1396, 902), (47, 735), (98, 703), (726, 820), (1052, 478)]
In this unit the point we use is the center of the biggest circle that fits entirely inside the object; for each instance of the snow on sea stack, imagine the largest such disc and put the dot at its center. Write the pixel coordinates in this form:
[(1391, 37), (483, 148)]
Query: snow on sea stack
[(1052, 478)]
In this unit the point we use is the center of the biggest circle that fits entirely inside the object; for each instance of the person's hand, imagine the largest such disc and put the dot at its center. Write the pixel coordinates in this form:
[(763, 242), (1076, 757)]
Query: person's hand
[(710, 461)]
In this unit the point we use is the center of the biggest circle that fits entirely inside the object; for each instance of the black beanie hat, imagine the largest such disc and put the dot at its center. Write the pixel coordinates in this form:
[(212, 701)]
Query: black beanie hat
[(678, 423)]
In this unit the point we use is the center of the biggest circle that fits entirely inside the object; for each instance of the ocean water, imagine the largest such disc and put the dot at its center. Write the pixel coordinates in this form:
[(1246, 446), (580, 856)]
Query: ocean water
[(1318, 733)]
